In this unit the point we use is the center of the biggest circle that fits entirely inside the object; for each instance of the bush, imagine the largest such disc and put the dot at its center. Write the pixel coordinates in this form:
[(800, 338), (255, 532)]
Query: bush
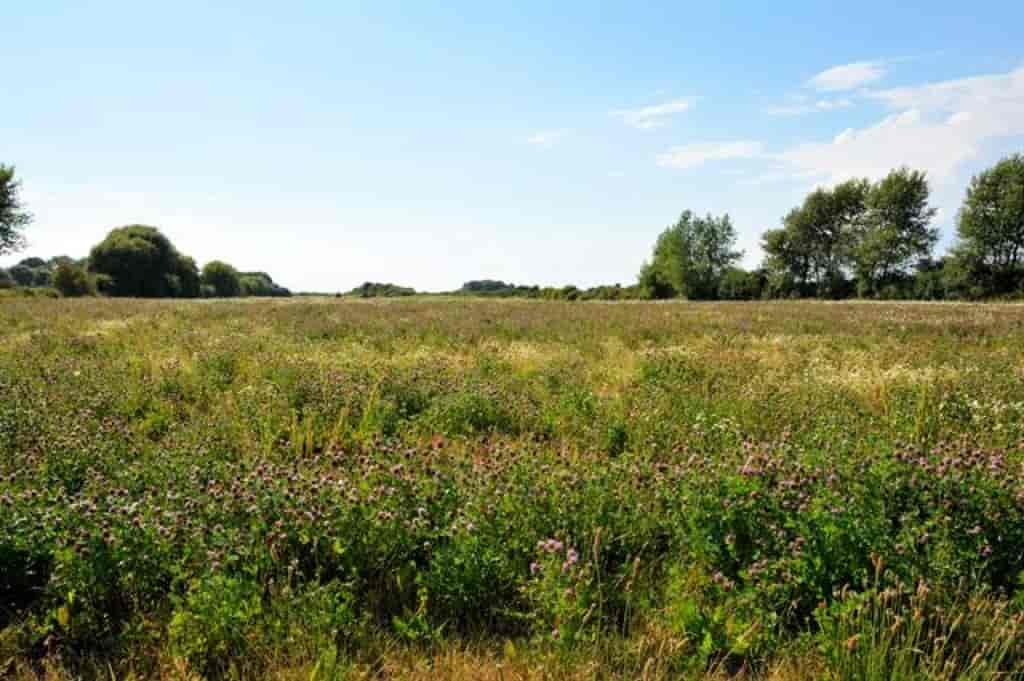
[(72, 281), (375, 290), (261, 285), (22, 275), (141, 262), (222, 279)]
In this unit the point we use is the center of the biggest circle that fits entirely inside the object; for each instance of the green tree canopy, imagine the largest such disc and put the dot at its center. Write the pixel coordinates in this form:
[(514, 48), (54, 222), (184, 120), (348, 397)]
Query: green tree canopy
[(690, 257), (222, 278), (13, 216), (990, 226), (893, 233), (188, 278), (71, 280), (372, 289), (140, 261), (261, 284), (810, 253)]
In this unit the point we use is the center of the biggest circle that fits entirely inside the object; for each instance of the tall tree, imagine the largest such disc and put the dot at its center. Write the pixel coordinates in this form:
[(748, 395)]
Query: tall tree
[(893, 233), (990, 226), (690, 257), (810, 254), (13, 216)]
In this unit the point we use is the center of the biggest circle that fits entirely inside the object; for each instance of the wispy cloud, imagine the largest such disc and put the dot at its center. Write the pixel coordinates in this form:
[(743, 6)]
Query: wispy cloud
[(935, 127), (693, 155), (547, 138), (848, 76), (651, 117), (802, 108)]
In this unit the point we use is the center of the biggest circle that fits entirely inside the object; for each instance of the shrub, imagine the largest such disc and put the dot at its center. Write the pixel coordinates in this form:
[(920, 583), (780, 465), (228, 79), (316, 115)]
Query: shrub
[(71, 280), (142, 262), (222, 279)]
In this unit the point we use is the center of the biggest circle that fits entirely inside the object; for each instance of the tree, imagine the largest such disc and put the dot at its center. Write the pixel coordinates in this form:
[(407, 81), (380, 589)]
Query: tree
[(260, 284), (188, 280), (13, 217), (810, 254), (690, 257), (652, 284), (44, 277), (222, 278), (23, 276), (71, 280), (990, 227), (142, 262), (372, 289), (739, 284), (6, 280), (893, 232)]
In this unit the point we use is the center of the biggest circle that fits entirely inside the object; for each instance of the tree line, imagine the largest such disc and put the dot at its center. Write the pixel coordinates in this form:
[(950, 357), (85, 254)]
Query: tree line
[(135, 260), (858, 238)]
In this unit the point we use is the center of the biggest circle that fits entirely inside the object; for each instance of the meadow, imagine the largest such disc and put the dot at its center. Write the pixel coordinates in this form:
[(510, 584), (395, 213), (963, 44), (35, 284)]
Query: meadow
[(484, 489)]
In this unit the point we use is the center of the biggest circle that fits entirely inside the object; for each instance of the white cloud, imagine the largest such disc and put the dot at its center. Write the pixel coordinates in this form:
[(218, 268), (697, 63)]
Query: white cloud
[(820, 106), (848, 76), (651, 117), (692, 155), (546, 138), (935, 127)]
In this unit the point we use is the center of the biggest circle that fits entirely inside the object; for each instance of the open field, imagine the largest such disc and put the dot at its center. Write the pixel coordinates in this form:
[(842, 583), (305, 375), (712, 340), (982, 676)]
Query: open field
[(320, 489)]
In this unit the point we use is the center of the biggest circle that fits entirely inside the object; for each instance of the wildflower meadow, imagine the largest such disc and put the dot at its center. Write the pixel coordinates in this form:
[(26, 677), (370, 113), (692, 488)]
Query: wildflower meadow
[(320, 488)]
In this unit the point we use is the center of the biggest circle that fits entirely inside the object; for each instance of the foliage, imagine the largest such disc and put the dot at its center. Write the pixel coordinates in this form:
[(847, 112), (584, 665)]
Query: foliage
[(809, 255), (375, 290), (22, 275), (13, 216), (496, 288), (893, 233), (871, 232), (141, 262), (686, 487), (990, 227), (738, 284), (71, 281), (260, 284), (690, 257), (222, 279)]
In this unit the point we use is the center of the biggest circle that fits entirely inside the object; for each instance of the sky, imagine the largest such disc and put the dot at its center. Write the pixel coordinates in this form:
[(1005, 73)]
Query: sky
[(426, 144)]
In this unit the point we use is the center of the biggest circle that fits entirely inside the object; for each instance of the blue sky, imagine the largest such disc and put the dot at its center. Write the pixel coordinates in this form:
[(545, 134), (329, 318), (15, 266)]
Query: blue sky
[(427, 144)]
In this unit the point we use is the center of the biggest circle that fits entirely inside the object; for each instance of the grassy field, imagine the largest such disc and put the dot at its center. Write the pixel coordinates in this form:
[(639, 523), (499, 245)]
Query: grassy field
[(324, 489)]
